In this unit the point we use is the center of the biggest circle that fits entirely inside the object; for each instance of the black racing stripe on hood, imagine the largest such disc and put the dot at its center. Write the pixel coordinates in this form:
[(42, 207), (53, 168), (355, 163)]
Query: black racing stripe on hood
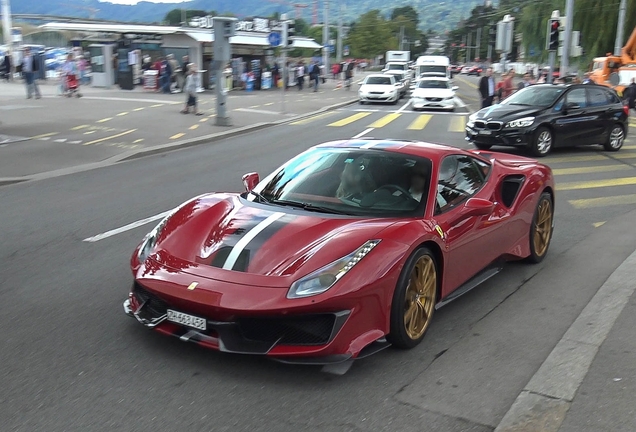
[(219, 257), (253, 247)]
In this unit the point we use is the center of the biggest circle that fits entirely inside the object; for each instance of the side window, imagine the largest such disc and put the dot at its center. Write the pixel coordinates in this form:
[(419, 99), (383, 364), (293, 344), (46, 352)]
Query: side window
[(612, 97), (597, 97), (459, 178), (577, 96)]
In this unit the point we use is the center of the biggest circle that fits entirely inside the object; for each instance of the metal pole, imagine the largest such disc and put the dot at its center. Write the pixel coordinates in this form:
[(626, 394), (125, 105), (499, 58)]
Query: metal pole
[(621, 28), (401, 44), (479, 43), (468, 47), (552, 61), (340, 35), (325, 36), (567, 37), (6, 24), (284, 75)]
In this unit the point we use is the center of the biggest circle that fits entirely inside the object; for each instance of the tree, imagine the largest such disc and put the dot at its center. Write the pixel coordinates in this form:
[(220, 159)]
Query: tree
[(302, 27), (371, 35), (174, 17), (407, 12)]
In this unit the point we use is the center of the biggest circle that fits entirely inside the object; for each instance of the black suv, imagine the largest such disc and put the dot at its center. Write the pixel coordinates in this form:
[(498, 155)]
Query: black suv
[(544, 116)]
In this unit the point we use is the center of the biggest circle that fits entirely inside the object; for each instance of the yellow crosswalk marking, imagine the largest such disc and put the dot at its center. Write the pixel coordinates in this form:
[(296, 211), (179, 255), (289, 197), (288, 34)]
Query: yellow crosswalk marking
[(629, 147), (350, 119), (603, 201), (312, 118), (457, 124), (592, 184), (590, 169), (385, 120), (420, 122)]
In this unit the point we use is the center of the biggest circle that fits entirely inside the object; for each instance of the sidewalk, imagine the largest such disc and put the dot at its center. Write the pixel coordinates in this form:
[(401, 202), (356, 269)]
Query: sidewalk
[(588, 382), (56, 134)]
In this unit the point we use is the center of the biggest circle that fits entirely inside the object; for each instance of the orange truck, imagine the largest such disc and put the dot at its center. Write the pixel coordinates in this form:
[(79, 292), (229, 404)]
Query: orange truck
[(616, 71)]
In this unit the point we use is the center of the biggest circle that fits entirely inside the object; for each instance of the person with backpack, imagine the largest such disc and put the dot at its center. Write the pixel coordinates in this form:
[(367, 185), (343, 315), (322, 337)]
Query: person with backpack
[(314, 74)]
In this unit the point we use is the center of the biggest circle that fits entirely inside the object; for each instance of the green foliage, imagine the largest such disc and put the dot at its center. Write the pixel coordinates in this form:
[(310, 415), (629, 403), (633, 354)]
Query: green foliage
[(373, 34)]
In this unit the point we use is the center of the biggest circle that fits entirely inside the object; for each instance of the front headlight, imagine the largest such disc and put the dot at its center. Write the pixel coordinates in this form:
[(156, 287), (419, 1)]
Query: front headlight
[(522, 122), (150, 241), (321, 280), (472, 118)]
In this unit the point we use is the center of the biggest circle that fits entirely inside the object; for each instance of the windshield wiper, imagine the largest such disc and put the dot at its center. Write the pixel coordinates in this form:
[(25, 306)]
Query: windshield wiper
[(308, 207), (260, 197), (518, 103)]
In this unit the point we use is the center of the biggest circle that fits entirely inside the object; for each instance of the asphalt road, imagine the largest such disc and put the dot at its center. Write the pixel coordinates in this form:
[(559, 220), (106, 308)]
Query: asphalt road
[(72, 361)]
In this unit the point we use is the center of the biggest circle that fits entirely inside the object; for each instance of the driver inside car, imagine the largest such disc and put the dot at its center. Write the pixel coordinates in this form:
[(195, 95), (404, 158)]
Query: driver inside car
[(355, 179), (419, 175)]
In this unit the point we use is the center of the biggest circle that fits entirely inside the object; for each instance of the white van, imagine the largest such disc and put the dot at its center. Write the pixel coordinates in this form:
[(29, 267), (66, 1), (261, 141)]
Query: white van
[(432, 66)]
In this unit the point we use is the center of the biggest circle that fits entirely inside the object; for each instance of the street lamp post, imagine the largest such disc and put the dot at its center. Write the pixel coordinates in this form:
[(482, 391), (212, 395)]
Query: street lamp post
[(6, 24)]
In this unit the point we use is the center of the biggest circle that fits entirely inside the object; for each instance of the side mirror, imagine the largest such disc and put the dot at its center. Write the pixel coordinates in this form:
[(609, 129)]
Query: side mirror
[(397, 84), (250, 180), (454, 88), (478, 207), (360, 83)]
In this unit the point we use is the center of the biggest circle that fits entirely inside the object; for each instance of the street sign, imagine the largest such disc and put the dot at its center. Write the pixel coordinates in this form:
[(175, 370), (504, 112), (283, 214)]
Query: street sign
[(346, 50), (332, 48), (274, 39)]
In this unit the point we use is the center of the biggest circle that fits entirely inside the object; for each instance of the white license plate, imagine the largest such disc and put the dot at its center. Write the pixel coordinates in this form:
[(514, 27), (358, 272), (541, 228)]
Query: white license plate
[(187, 320), (485, 132)]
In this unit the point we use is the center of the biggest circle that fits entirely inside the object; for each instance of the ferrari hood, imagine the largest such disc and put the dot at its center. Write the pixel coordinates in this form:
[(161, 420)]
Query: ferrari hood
[(227, 232)]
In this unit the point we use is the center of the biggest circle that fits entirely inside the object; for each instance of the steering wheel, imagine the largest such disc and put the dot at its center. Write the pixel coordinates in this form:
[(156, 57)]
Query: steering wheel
[(395, 187)]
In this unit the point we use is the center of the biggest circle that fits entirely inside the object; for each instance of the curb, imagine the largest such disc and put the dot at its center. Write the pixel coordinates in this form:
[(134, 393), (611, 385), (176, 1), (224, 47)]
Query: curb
[(163, 148), (543, 404)]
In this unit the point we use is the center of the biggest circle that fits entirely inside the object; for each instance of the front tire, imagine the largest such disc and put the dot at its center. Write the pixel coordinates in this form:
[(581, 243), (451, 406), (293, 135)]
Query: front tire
[(481, 146), (541, 228), (414, 299), (542, 143), (616, 138)]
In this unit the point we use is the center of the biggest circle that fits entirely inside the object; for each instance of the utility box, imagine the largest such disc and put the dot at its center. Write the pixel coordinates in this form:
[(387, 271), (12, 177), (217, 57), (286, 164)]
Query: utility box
[(101, 58)]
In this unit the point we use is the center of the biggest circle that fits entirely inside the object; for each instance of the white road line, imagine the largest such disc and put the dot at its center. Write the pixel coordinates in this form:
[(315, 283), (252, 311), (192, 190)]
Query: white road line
[(405, 106), (128, 227), (363, 133)]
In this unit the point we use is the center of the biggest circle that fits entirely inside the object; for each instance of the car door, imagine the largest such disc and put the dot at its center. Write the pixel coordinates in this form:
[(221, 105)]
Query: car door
[(459, 178), (572, 126), (602, 111)]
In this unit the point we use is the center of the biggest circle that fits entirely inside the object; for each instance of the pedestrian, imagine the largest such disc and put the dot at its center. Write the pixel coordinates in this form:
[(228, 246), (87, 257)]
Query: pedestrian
[(335, 70), (29, 67), (508, 87), (190, 88), (300, 74), (349, 74), (165, 75), (487, 88), (525, 82), (7, 66), (314, 75), (174, 70), (630, 92)]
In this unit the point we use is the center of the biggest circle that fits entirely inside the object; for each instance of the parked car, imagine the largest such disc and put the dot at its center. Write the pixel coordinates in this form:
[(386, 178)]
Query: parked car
[(542, 117), (475, 70)]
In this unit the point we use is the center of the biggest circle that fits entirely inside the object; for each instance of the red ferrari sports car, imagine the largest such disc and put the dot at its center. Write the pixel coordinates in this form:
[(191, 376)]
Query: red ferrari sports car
[(344, 250)]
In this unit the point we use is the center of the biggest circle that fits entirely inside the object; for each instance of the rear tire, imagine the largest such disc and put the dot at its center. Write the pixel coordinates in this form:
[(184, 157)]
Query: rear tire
[(615, 139), (542, 142), (541, 228), (414, 298)]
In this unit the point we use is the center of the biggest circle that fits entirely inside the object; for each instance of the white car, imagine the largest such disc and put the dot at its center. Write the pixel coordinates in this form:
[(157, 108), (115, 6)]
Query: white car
[(403, 79), (379, 88), (433, 92)]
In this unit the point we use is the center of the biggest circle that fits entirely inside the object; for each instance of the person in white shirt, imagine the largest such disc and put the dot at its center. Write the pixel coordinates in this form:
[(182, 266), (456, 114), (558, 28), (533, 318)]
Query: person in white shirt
[(301, 75)]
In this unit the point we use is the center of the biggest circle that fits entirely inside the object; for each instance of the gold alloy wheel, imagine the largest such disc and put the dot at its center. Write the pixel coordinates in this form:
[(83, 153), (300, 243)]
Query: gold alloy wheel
[(420, 297), (542, 227)]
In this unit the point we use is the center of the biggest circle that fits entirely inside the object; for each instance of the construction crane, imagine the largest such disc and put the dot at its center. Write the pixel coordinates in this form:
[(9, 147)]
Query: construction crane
[(314, 13), (92, 12)]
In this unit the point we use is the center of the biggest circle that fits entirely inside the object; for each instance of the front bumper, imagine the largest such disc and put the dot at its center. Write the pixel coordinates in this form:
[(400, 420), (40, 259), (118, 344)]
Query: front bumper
[(504, 137), (379, 98), (422, 103)]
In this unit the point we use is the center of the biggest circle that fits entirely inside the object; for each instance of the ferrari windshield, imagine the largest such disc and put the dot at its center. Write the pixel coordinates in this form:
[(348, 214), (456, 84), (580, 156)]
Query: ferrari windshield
[(434, 84), (378, 80), (541, 96), (352, 181)]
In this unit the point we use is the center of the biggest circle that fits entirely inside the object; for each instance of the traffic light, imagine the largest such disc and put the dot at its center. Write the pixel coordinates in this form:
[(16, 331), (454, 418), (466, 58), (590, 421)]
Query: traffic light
[(290, 32), (553, 35)]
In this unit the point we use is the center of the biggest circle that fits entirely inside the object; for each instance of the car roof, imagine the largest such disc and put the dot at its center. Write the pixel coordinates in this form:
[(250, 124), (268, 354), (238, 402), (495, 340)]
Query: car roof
[(377, 75), (434, 78), (432, 151)]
